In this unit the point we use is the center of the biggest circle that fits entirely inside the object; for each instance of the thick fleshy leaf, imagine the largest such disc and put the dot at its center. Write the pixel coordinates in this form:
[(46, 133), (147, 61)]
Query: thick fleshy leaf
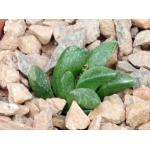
[(67, 84), (101, 54), (40, 83), (121, 82), (95, 77), (86, 98)]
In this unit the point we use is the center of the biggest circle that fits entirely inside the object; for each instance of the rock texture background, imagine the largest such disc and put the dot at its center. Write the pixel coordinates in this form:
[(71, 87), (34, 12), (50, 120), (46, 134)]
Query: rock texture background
[(40, 42)]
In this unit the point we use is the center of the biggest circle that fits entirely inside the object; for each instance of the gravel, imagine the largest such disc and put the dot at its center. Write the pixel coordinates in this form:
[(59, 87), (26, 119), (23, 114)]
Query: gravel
[(40, 42)]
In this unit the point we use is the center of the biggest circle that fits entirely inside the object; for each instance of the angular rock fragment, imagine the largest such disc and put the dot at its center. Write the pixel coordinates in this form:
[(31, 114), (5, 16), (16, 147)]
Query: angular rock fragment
[(13, 29), (29, 44), (8, 74), (56, 105), (9, 41), (125, 66), (23, 62), (116, 111), (76, 118), (75, 37), (91, 27), (8, 109), (107, 27), (142, 76), (18, 93), (137, 114), (60, 32), (43, 33), (140, 59), (142, 38), (124, 36), (43, 120), (142, 23), (17, 26), (142, 92)]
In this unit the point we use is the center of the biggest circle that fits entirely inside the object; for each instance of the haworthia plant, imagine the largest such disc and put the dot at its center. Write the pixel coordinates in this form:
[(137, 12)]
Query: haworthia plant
[(81, 76), (39, 82)]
